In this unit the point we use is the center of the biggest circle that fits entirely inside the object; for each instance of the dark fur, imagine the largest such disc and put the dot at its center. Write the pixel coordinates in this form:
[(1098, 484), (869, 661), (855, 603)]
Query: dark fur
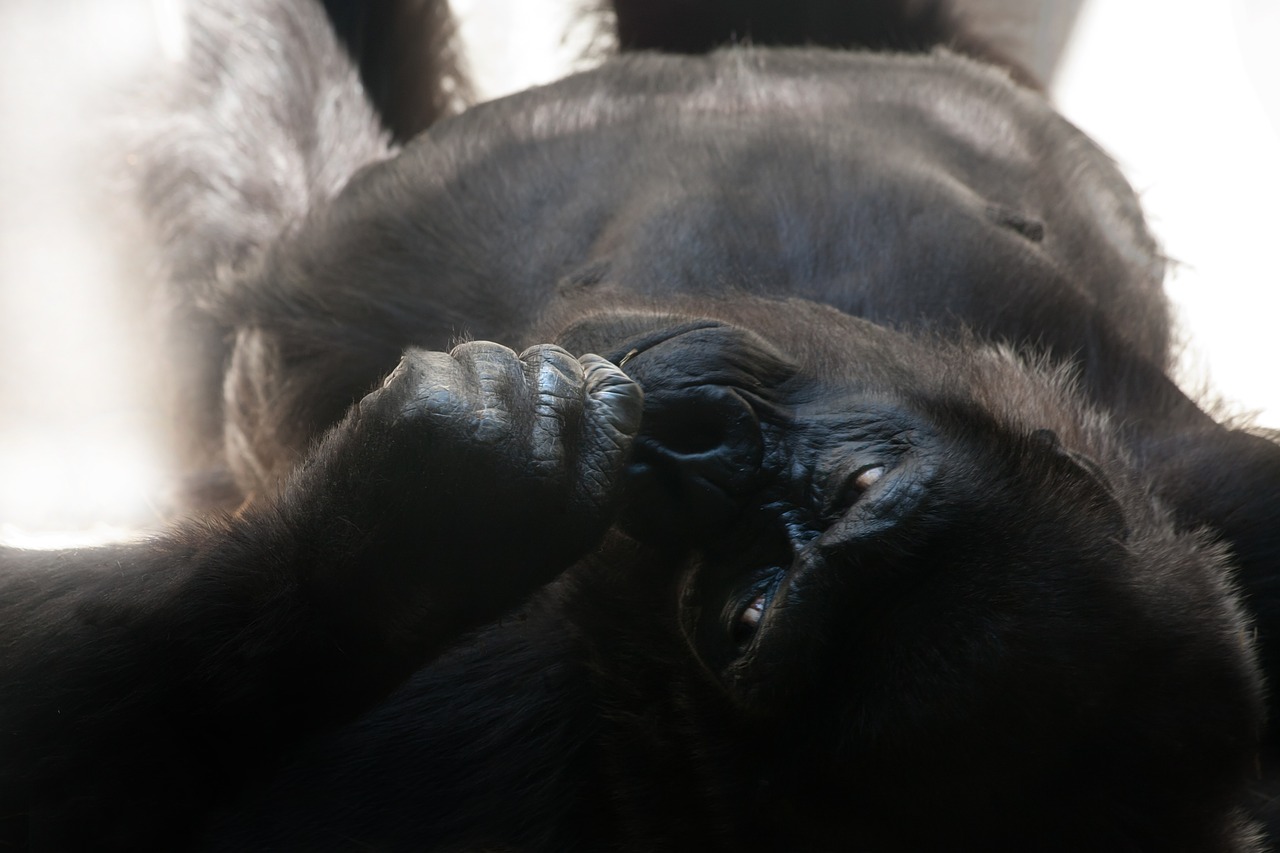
[(481, 602)]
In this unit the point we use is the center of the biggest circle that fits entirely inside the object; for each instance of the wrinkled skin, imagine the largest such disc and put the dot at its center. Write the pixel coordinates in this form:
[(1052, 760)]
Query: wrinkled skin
[(443, 429), (838, 499)]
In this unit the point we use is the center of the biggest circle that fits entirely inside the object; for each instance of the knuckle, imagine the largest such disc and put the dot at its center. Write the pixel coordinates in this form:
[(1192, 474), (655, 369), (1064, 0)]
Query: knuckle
[(474, 348), (618, 398), (552, 370), (545, 351)]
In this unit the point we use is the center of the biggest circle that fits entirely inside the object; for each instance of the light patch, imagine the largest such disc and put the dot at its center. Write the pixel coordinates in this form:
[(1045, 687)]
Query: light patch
[(974, 122), (744, 90), (170, 18), (61, 491), (511, 45), (78, 457), (1190, 128)]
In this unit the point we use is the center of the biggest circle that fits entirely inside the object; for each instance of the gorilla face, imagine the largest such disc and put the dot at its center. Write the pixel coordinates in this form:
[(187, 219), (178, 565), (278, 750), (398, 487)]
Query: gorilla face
[(882, 566)]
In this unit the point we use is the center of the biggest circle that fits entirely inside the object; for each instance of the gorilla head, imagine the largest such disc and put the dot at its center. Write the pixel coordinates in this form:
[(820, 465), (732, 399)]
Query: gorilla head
[(899, 563)]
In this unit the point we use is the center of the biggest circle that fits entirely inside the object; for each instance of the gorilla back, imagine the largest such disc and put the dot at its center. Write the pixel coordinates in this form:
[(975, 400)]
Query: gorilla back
[(811, 478)]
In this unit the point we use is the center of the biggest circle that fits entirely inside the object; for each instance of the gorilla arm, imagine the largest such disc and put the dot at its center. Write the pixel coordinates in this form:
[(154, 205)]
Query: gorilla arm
[(141, 681)]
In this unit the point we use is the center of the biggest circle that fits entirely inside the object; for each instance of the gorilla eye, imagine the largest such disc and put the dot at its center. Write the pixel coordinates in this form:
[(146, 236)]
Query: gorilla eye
[(744, 627), (750, 617), (854, 488), (746, 615), (868, 478)]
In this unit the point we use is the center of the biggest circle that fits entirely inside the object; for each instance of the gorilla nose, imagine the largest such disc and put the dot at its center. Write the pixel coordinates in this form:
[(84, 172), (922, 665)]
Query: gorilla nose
[(697, 454)]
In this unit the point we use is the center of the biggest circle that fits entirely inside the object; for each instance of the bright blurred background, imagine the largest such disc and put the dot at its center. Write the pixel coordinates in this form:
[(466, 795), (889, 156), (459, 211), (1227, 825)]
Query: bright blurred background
[(1184, 93)]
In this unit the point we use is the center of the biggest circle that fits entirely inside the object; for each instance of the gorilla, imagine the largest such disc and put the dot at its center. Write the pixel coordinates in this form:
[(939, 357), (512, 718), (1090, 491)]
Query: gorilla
[(765, 446)]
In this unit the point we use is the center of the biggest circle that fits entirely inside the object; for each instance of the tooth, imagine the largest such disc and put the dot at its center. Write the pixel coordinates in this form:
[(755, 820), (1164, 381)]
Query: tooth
[(751, 616)]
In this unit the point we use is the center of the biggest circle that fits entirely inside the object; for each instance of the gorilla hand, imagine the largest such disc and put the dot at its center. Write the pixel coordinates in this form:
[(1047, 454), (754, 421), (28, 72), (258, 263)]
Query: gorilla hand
[(521, 453), (462, 484)]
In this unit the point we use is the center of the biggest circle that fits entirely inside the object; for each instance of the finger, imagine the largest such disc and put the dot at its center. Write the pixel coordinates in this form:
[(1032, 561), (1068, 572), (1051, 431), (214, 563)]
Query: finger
[(425, 382), (494, 388), (614, 404), (557, 380)]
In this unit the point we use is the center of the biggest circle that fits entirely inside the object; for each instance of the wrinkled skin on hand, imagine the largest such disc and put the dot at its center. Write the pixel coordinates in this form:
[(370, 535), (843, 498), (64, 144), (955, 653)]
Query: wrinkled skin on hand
[(558, 426), (501, 470)]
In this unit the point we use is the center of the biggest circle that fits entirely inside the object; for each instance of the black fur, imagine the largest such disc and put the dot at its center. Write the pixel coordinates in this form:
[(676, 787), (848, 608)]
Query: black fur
[(893, 358), (407, 56)]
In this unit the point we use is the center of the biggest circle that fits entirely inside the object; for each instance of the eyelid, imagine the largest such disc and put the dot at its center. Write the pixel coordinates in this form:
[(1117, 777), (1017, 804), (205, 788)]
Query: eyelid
[(853, 486), (868, 476)]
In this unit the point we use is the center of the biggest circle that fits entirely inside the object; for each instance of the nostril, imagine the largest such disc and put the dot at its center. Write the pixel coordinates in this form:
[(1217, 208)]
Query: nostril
[(701, 425), (697, 455), (693, 432)]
